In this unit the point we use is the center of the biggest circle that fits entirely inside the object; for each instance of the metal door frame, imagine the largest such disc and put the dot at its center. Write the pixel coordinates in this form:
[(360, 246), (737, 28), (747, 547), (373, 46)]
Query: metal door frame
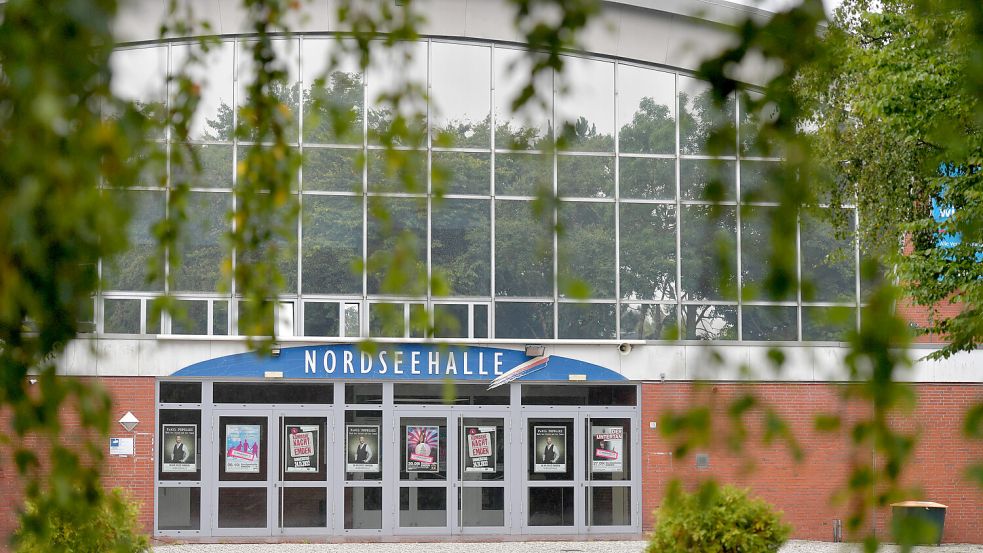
[(449, 483), (279, 483), (577, 482), (490, 411), (216, 484)]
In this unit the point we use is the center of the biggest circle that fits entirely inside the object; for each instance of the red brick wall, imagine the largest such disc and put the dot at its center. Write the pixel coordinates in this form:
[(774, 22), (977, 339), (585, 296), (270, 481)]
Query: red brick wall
[(135, 473), (805, 491)]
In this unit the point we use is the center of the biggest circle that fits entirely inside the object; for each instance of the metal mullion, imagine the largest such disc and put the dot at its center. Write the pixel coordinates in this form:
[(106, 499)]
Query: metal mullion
[(363, 318), (737, 195), (511, 151), (556, 216), (679, 226), (493, 118), (856, 266), (299, 309), (429, 179), (640, 155), (331, 146)]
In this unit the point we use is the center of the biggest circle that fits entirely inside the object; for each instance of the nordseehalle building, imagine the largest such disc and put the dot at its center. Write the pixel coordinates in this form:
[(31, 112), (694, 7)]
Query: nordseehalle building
[(324, 439)]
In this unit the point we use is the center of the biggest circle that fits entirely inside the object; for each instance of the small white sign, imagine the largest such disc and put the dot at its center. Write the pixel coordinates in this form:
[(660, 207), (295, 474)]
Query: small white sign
[(121, 446)]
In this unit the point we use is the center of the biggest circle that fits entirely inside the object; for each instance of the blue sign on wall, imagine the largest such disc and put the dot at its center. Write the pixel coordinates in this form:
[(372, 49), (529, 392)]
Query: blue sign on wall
[(401, 362)]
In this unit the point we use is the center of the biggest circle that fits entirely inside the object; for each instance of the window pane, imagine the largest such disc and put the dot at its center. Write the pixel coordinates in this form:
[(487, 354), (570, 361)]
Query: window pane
[(460, 92), (586, 248), (752, 144), (121, 316), (610, 506), (648, 178), (180, 392), (397, 171), (828, 260), (640, 321), (648, 251), (387, 320), (286, 90), (706, 179), (193, 321), (138, 76), (461, 172), (523, 174), (709, 322), (201, 246), (530, 127), (213, 118), (769, 322), (130, 269), (523, 320), (216, 166), (363, 508), (828, 324), (397, 247), (754, 181), (220, 318), (585, 176), (699, 115), (708, 242), (332, 244), (178, 508), (337, 99), (646, 110), (285, 248), (461, 245), (523, 250), (586, 108), (587, 321), (480, 316), (551, 507), (335, 170), (405, 63), (450, 320), (321, 319), (242, 507), (756, 248)]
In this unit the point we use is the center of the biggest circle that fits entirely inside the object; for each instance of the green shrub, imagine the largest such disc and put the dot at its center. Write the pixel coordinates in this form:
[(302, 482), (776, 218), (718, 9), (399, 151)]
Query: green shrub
[(112, 527), (716, 520)]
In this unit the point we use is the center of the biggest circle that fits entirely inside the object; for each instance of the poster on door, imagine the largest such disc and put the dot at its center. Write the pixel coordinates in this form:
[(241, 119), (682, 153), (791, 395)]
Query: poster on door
[(550, 449), (180, 441), (362, 451), (242, 448), (422, 448), (302, 448), (480, 452), (607, 448)]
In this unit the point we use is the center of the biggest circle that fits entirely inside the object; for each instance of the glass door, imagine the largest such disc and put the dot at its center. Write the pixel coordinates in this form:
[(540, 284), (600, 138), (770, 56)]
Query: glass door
[(554, 487), (483, 490), (608, 474), (302, 498), (425, 478), (243, 449)]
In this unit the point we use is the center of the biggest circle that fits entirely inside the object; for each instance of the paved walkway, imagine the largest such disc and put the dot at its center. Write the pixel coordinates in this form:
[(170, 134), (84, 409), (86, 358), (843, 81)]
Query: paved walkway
[(514, 547)]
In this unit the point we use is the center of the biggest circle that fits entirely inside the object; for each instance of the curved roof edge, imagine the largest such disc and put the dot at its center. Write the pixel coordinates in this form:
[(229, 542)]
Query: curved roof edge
[(716, 11)]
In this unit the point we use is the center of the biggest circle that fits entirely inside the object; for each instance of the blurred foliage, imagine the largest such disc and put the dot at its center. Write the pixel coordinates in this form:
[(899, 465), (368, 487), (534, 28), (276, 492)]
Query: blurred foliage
[(113, 528), (877, 108), (716, 519)]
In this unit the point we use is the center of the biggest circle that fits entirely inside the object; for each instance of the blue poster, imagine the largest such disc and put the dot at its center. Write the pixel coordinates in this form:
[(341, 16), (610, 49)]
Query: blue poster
[(242, 448)]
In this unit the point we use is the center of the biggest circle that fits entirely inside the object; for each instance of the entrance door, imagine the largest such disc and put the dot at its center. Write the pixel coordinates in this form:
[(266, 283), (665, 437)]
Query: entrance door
[(271, 473), (608, 473), (245, 473), (553, 473), (302, 500), (426, 481), (483, 494)]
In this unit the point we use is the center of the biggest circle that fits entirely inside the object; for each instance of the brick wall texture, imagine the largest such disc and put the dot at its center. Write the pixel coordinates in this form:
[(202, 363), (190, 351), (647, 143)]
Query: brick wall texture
[(805, 491), (133, 473)]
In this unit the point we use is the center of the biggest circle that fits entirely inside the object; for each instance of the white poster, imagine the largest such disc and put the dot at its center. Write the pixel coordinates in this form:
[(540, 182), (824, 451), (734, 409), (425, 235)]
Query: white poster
[(607, 448), (178, 453), (363, 448), (480, 442), (550, 449), (302, 448)]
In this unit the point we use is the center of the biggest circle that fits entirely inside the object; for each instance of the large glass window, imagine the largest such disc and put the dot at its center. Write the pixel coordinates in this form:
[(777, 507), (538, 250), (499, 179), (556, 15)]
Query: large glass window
[(130, 269), (332, 239), (460, 243), (460, 91), (213, 120), (648, 251), (201, 247), (586, 249), (528, 128), (585, 105), (523, 249), (646, 110), (331, 96), (397, 239), (701, 118), (708, 261), (828, 259)]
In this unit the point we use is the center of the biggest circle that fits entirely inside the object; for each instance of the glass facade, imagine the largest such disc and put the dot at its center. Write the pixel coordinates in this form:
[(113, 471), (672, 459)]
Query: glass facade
[(633, 228)]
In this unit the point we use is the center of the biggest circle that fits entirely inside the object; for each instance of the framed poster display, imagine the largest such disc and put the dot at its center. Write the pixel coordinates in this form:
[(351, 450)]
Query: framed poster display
[(242, 448), (301, 448), (180, 448), (362, 448), (479, 448), (550, 449), (607, 449), (422, 448)]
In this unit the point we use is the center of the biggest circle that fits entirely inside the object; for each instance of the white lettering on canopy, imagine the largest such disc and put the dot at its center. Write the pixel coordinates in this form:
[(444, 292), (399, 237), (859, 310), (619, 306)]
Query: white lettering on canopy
[(438, 363)]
